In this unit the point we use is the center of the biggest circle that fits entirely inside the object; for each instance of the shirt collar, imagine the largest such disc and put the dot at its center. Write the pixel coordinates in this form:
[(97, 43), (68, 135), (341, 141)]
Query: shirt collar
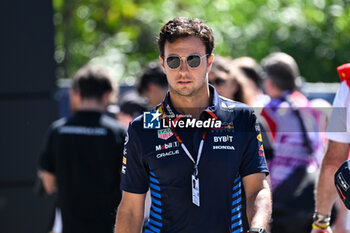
[(214, 104)]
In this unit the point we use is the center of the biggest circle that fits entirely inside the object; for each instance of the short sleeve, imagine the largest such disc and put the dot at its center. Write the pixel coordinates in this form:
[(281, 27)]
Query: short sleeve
[(337, 124), (120, 137), (46, 158), (253, 159), (134, 172)]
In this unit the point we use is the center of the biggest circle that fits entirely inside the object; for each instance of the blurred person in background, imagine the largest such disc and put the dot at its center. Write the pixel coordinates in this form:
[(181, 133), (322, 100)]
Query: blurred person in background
[(131, 105), (229, 81), (152, 83), (253, 71), (338, 133), (325, 109), (82, 156), (293, 126), (219, 76), (340, 223)]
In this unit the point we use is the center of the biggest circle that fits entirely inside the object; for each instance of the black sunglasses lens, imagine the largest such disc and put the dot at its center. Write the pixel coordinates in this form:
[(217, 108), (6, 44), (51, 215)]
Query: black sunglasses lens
[(193, 61), (173, 62)]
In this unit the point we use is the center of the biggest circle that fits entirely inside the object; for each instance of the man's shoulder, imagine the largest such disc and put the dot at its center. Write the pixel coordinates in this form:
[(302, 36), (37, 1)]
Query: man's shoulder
[(344, 86), (224, 102), (227, 105), (111, 124), (58, 123), (342, 95), (234, 113), (138, 122)]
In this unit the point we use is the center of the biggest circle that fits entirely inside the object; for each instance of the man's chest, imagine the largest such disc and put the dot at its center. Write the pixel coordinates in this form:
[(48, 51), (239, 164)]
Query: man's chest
[(221, 153)]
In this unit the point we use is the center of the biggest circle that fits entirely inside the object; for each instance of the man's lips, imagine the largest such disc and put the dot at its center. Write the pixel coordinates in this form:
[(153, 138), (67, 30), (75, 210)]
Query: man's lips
[(184, 82)]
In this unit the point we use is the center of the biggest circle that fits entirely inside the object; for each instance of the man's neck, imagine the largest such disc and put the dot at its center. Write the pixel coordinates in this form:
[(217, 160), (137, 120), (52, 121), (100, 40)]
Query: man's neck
[(190, 105), (91, 105)]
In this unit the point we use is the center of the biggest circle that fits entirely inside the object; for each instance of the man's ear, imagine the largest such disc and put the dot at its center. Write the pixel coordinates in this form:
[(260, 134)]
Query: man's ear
[(106, 98), (162, 63), (210, 62), (74, 100), (269, 83), (73, 93), (152, 87)]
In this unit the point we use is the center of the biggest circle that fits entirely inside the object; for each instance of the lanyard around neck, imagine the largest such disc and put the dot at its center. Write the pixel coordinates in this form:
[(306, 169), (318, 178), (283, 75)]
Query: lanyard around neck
[(200, 149)]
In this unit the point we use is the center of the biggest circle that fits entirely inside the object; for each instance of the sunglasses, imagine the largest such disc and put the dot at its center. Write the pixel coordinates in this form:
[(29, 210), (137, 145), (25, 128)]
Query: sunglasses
[(193, 61), (217, 81)]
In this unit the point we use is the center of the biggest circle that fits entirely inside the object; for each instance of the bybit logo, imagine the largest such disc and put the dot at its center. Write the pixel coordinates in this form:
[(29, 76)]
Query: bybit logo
[(226, 138)]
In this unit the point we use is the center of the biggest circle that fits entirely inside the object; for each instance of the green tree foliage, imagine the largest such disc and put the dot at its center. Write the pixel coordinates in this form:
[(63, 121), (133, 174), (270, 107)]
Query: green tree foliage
[(121, 34)]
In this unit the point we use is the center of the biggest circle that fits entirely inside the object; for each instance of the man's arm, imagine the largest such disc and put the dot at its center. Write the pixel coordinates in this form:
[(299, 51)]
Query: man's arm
[(339, 225), (130, 213), (49, 181), (326, 193), (258, 195)]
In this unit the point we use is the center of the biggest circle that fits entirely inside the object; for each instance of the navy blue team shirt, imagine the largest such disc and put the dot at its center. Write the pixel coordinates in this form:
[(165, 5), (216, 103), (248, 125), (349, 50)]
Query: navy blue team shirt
[(153, 158)]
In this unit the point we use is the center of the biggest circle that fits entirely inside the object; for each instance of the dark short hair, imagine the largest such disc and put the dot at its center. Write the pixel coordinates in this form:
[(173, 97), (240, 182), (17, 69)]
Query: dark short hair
[(221, 64), (222, 67), (182, 27), (250, 68), (152, 73), (92, 82), (133, 104), (282, 69)]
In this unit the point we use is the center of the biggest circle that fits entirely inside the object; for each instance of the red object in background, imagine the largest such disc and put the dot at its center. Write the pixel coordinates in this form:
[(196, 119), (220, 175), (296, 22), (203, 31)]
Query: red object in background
[(344, 73)]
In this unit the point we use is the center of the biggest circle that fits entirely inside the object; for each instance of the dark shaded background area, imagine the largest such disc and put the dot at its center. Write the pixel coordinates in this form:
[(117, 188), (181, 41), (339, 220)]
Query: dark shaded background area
[(27, 105)]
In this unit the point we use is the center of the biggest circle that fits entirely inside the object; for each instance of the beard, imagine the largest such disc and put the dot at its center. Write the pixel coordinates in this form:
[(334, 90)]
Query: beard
[(190, 90)]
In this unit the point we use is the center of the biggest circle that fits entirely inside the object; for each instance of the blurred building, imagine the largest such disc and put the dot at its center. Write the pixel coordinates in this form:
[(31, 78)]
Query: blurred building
[(27, 86)]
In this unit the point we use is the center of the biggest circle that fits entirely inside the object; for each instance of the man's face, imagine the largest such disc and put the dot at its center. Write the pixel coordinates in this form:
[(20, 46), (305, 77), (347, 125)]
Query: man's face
[(155, 94), (267, 86), (187, 81)]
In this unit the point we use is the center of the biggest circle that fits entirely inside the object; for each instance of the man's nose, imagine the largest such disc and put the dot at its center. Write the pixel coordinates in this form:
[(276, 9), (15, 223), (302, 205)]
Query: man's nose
[(184, 66)]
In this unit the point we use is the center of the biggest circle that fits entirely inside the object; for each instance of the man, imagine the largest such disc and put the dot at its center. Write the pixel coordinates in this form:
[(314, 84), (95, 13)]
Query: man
[(82, 157), (131, 105), (287, 116), (337, 152), (195, 175), (152, 83), (296, 144)]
